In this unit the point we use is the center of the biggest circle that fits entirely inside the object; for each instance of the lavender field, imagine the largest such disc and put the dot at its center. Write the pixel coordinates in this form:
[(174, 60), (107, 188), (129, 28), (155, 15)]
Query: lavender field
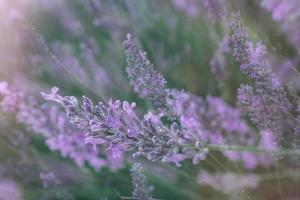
[(149, 100)]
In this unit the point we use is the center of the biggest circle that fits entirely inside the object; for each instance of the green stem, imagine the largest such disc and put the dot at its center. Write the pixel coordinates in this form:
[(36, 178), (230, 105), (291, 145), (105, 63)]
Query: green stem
[(252, 149)]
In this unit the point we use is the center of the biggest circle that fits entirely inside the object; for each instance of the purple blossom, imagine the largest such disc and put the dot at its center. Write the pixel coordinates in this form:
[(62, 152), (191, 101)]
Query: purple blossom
[(116, 125), (286, 12), (211, 121), (191, 7), (216, 9), (281, 9), (268, 140), (10, 190), (144, 79), (49, 179), (228, 182), (266, 101), (141, 188), (218, 62), (50, 122), (195, 122)]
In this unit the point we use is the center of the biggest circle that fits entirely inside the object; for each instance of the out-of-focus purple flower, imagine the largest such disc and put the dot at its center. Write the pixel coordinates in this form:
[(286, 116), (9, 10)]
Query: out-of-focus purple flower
[(10, 98), (141, 188), (268, 140), (50, 122), (266, 101), (216, 9), (9, 190), (282, 9), (49, 179), (287, 13), (144, 79), (218, 63), (212, 121), (191, 7), (228, 182)]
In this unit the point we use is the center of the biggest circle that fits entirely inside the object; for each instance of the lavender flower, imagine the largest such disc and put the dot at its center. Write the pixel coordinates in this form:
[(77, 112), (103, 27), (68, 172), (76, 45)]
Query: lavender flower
[(286, 12), (216, 9), (266, 101), (191, 7), (50, 122), (140, 184), (212, 121), (49, 179), (268, 140), (121, 129), (144, 79), (218, 63), (9, 190), (281, 10), (193, 113), (228, 182)]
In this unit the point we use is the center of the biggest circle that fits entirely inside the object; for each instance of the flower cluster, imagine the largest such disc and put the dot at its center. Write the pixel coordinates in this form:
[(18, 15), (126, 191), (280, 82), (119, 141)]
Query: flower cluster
[(207, 121), (193, 122), (249, 126)]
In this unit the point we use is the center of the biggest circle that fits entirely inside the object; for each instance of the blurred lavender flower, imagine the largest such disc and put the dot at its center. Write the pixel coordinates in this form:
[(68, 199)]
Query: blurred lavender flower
[(218, 62), (191, 7), (287, 13), (268, 140), (215, 10), (144, 79), (9, 190), (49, 179), (228, 182), (11, 98), (50, 122), (281, 10), (141, 189), (266, 101)]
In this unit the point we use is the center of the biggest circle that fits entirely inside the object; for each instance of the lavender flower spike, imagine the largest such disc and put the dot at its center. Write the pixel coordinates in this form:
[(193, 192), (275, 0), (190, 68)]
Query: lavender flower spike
[(144, 79), (116, 126), (266, 101), (140, 184)]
